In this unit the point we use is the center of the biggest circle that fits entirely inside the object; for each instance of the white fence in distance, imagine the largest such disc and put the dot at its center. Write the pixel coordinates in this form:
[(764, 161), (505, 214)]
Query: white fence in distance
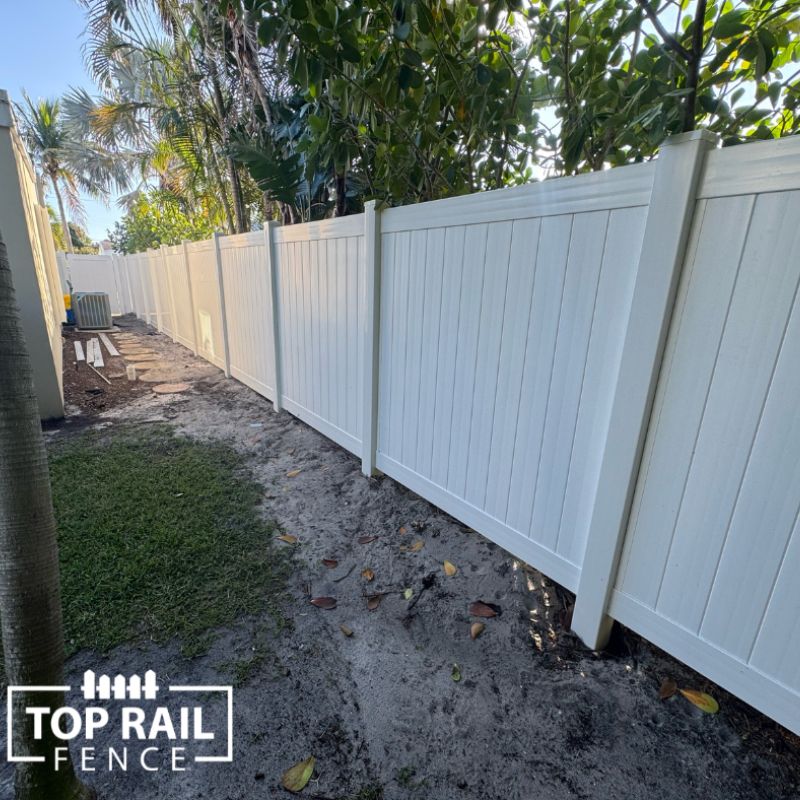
[(598, 373)]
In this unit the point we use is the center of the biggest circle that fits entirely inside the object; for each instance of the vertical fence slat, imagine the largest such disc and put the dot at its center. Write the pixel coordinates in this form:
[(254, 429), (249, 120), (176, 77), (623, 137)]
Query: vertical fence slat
[(222, 309), (192, 311), (372, 306), (173, 317), (274, 301), (672, 204)]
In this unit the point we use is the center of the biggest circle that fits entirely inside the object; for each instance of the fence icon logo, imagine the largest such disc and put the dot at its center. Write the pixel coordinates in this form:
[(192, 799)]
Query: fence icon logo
[(138, 721), (134, 688)]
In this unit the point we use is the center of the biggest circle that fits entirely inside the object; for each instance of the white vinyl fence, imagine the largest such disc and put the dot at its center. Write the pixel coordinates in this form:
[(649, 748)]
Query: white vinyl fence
[(25, 229), (599, 373), (92, 273)]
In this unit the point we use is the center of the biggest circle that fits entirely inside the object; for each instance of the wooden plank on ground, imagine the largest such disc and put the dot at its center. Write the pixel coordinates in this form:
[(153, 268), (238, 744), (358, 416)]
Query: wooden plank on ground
[(79, 352), (90, 351), (112, 351), (98, 353)]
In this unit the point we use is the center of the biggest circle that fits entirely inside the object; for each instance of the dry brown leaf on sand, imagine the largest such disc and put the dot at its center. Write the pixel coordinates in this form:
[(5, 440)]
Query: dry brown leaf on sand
[(481, 609), (367, 574), (373, 602), (330, 563), (667, 689), (402, 530), (476, 629), (366, 539), (417, 546), (296, 778), (450, 569), (705, 702), (288, 538), (326, 603), (346, 631), (292, 473)]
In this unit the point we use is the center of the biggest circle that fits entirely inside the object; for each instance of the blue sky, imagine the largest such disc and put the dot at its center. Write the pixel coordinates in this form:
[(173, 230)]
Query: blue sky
[(45, 59)]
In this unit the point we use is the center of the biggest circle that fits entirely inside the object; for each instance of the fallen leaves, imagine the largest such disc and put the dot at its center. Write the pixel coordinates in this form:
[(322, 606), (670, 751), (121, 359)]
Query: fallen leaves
[(667, 689), (487, 610), (456, 673), (293, 473), (330, 563), (373, 601), (449, 569), (475, 630), (416, 547), (296, 778), (326, 603), (408, 593), (705, 702), (346, 631), (402, 531), (288, 538), (367, 574), (366, 539)]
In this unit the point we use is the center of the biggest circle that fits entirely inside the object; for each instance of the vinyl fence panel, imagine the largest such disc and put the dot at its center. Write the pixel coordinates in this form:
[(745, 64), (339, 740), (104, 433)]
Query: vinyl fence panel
[(93, 273), (320, 270), (180, 293), (500, 341), (249, 311), (708, 569), (25, 227), (207, 307)]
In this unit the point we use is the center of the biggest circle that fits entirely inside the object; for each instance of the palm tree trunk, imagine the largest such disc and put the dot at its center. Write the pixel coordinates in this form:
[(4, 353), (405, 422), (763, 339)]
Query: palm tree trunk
[(233, 175), (62, 215), (226, 204), (30, 599)]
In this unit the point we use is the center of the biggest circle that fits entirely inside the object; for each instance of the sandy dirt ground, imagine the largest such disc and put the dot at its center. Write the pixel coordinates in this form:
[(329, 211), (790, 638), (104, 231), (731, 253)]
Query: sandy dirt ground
[(534, 716)]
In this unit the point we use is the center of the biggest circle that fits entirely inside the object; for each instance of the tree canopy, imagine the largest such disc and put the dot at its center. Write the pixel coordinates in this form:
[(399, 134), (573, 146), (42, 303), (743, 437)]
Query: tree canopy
[(243, 110)]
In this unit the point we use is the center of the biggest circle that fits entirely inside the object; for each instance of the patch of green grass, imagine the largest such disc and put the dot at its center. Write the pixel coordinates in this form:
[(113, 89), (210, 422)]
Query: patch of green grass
[(159, 536)]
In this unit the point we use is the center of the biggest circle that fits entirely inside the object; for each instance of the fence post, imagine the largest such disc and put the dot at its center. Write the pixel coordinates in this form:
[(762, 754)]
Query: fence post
[(152, 269), (192, 312), (169, 289), (223, 312), (274, 298), (127, 270), (144, 275), (669, 219), (372, 331)]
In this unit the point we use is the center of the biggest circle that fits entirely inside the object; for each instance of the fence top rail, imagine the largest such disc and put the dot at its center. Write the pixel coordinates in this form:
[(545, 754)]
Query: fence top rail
[(621, 187), (241, 240), (751, 168), (200, 247), (323, 229)]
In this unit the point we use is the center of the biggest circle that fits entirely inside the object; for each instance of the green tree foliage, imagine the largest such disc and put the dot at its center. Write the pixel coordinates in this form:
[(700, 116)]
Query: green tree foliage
[(299, 109), (623, 75), (70, 161), (81, 241), (157, 218), (420, 99)]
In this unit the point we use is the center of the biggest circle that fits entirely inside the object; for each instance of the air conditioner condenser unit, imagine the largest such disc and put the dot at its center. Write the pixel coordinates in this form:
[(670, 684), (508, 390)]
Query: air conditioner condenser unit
[(92, 310)]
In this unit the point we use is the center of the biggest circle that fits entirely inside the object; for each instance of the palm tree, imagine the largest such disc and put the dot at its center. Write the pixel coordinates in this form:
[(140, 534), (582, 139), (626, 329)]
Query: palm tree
[(69, 161), (30, 601)]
